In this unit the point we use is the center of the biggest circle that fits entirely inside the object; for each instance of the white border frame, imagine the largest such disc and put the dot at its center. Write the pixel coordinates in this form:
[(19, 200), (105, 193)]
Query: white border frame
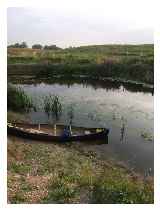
[(3, 110)]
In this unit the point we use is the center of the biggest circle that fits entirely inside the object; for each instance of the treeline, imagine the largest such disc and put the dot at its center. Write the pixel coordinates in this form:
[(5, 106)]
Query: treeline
[(18, 45), (34, 46)]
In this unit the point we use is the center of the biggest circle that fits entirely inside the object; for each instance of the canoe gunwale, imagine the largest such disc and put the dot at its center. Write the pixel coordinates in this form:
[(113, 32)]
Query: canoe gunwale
[(17, 131)]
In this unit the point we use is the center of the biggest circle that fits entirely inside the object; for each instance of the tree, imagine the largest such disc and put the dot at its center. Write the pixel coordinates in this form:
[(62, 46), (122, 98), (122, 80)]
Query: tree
[(51, 47), (23, 45), (17, 45), (37, 46)]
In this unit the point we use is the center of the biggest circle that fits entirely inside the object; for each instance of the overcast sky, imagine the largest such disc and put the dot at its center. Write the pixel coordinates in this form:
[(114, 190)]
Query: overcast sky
[(79, 24)]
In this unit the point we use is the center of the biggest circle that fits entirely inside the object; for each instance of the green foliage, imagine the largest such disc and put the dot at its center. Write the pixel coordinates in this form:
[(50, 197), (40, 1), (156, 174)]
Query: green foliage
[(71, 175), (18, 198), (37, 46), (23, 60), (146, 135), (51, 47), (19, 168), (14, 117), (107, 191), (60, 192), (53, 106), (130, 62), (17, 45), (18, 100)]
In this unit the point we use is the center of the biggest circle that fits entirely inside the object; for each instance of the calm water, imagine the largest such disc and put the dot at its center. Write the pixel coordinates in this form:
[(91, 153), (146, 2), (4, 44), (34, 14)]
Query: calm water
[(126, 109)]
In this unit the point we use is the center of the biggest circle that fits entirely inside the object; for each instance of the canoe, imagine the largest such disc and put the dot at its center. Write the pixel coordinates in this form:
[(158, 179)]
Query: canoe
[(47, 132)]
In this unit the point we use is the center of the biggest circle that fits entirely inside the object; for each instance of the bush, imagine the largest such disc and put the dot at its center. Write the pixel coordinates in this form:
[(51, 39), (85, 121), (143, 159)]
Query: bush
[(37, 46)]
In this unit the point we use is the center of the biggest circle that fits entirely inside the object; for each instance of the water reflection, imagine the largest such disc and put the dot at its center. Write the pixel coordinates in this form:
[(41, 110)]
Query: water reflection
[(123, 130), (124, 108), (96, 141), (85, 82), (70, 113)]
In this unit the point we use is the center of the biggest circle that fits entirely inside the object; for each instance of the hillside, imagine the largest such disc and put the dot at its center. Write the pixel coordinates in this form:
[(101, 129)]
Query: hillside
[(129, 62)]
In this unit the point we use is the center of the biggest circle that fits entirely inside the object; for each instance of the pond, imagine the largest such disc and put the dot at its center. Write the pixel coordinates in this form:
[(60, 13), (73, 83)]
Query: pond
[(126, 109)]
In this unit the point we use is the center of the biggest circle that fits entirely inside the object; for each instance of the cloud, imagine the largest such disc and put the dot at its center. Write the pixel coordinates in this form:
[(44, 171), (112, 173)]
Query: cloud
[(72, 26)]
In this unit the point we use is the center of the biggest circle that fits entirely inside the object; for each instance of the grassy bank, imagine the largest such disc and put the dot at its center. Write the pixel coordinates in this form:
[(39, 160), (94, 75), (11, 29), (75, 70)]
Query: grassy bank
[(130, 62), (18, 100), (52, 173)]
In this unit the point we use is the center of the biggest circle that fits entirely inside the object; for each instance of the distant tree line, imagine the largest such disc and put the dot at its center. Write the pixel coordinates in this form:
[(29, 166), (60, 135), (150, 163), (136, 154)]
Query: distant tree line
[(51, 47), (17, 45), (48, 47), (34, 46)]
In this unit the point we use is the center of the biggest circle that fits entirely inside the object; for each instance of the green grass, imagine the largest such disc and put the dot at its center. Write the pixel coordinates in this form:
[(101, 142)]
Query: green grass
[(147, 136), (19, 168), (60, 192), (17, 199), (18, 100), (108, 191), (16, 117), (129, 62), (83, 54), (52, 106), (52, 173)]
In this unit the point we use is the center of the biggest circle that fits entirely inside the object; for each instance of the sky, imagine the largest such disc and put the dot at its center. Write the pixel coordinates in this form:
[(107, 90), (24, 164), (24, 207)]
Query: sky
[(82, 23)]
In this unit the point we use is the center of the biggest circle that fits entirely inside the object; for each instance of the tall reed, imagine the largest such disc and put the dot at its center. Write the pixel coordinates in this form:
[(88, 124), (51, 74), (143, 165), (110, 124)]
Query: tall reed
[(52, 106)]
